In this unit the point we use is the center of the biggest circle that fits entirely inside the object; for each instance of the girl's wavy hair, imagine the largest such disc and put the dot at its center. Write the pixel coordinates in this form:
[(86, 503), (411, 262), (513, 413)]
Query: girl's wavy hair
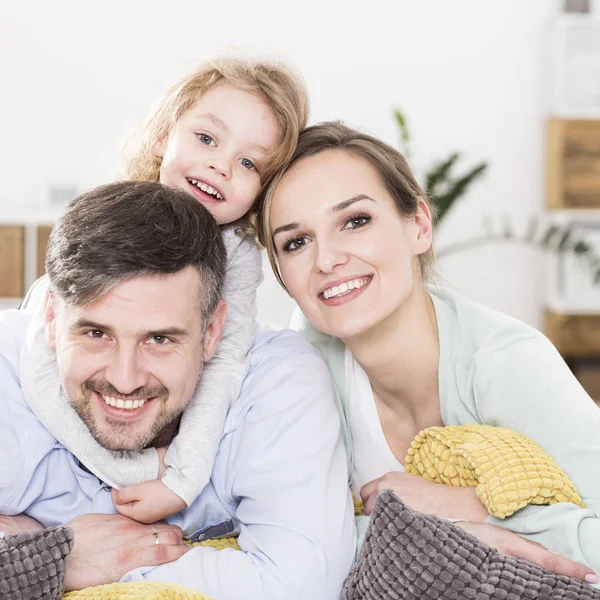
[(282, 89), (393, 170)]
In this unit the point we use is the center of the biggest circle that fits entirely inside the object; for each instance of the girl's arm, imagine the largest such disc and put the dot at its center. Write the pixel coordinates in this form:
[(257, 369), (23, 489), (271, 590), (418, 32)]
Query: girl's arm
[(189, 459), (527, 386)]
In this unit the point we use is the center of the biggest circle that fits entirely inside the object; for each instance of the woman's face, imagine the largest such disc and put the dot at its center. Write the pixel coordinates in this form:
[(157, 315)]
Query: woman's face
[(346, 254)]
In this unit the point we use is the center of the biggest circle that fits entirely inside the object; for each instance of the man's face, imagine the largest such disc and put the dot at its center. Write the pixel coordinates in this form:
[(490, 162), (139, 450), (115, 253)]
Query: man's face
[(130, 361)]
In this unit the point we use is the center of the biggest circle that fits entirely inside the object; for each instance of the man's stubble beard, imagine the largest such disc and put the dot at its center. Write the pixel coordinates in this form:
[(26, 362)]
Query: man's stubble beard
[(116, 434)]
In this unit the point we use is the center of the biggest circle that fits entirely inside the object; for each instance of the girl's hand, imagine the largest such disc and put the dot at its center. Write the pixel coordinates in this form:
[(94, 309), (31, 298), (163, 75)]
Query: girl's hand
[(147, 502), (427, 497)]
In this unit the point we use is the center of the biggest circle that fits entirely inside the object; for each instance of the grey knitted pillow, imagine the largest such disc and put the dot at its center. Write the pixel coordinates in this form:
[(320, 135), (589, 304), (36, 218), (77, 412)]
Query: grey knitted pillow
[(32, 564), (407, 555)]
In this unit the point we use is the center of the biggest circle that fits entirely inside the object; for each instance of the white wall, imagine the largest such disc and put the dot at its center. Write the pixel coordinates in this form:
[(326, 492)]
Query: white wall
[(77, 76)]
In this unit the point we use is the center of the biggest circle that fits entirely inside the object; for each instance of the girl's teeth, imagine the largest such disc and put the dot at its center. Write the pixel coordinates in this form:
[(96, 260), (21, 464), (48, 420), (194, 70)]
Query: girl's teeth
[(206, 188)]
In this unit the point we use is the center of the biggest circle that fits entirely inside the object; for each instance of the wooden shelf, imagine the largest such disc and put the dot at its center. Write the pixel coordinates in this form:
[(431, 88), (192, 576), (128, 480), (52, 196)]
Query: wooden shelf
[(573, 163)]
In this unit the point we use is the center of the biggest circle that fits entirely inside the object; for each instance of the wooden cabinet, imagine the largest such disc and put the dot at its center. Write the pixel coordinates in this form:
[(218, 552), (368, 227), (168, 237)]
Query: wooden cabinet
[(12, 260)]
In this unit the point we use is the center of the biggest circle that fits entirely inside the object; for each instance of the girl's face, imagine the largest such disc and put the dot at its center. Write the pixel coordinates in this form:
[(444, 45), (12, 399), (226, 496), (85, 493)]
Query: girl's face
[(215, 149), (346, 254)]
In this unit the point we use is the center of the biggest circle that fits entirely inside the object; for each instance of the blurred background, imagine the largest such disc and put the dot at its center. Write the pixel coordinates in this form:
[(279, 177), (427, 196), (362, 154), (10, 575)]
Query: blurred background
[(512, 86)]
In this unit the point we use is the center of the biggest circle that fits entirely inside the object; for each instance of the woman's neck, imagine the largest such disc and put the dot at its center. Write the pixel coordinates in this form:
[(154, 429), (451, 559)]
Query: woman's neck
[(401, 356)]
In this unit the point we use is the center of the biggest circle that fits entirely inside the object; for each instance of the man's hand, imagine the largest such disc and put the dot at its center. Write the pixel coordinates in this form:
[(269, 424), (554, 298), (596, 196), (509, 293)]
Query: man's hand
[(427, 497), (147, 502), (510, 544), (18, 523), (109, 546)]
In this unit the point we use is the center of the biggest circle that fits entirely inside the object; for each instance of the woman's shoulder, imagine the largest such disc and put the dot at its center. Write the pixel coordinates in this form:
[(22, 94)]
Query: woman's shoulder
[(477, 329)]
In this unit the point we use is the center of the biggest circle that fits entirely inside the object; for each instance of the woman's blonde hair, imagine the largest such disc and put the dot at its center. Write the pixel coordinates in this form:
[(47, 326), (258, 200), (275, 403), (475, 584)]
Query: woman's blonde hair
[(282, 90), (390, 164)]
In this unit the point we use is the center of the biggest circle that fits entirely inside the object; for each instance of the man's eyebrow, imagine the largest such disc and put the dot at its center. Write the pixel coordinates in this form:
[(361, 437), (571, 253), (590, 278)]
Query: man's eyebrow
[(87, 324), (334, 209), (169, 332), (166, 332)]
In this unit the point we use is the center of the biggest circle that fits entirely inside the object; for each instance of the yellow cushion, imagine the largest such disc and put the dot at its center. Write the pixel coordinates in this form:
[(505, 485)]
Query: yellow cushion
[(507, 469), (139, 590)]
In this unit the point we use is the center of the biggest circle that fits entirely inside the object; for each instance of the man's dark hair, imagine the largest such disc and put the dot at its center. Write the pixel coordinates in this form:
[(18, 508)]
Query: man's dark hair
[(119, 231)]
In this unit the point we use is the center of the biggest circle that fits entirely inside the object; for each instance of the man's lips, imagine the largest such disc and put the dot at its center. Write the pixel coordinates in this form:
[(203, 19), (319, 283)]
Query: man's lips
[(124, 409)]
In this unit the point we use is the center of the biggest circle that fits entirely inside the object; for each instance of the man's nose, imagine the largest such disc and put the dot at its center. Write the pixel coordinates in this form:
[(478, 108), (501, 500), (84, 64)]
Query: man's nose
[(329, 255), (126, 371)]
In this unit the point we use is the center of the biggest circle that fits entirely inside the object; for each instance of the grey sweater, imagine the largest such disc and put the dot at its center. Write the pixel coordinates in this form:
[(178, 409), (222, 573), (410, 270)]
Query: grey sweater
[(189, 459)]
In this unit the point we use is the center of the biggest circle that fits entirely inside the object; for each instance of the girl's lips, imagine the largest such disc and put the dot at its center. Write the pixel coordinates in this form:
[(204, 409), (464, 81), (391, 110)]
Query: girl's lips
[(122, 414), (346, 296), (203, 196)]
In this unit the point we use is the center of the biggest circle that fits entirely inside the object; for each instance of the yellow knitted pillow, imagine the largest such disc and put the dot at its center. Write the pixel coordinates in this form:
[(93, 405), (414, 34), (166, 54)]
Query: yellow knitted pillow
[(150, 590), (508, 470)]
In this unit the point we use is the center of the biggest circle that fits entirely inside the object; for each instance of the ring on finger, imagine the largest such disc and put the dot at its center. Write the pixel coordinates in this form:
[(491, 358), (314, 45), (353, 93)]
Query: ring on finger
[(156, 538)]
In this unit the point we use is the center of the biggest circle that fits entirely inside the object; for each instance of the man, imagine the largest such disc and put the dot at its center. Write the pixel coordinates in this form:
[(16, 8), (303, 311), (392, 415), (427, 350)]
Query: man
[(134, 309)]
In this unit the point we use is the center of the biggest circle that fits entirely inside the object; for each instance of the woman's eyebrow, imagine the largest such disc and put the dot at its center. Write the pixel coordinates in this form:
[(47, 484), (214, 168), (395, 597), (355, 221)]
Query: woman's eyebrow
[(334, 209), (346, 203)]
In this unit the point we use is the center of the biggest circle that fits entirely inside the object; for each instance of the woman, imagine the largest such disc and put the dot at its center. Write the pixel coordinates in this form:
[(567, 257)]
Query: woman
[(349, 235)]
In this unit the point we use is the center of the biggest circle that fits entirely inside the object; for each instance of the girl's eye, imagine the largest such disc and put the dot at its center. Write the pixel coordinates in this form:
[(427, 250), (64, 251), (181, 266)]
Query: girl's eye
[(294, 244), (206, 139), (248, 164), (356, 221)]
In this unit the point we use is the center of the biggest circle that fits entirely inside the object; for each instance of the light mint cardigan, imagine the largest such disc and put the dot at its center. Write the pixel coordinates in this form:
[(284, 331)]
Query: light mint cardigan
[(495, 370)]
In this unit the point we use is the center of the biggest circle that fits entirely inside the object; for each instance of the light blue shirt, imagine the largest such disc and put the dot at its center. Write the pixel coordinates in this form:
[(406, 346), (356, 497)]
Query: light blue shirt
[(279, 479)]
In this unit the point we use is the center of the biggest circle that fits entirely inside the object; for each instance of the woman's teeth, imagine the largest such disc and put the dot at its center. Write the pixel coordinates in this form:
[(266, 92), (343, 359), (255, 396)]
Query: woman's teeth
[(343, 288), (206, 188), (125, 404)]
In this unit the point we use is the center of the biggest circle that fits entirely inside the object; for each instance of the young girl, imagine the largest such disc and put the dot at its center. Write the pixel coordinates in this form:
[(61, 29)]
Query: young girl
[(219, 134), (349, 235)]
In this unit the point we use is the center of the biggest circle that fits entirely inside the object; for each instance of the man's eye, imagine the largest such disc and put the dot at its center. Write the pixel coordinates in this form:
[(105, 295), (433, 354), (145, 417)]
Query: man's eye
[(159, 340), (206, 139), (248, 164), (95, 333)]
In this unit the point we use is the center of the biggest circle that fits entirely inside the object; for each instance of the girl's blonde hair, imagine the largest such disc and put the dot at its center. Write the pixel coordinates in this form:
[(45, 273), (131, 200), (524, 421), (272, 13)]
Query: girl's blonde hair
[(390, 164), (282, 90)]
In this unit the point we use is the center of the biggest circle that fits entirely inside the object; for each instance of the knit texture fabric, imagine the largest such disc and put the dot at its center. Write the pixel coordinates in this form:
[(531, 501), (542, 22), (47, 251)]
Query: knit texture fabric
[(507, 469), (411, 556), (140, 590), (32, 564)]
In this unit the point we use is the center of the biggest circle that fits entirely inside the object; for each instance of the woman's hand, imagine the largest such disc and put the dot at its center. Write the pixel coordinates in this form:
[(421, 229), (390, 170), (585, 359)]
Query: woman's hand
[(510, 544), (427, 497)]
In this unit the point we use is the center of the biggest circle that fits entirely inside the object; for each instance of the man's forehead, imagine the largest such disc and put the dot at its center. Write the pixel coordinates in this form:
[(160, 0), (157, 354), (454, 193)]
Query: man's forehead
[(170, 301)]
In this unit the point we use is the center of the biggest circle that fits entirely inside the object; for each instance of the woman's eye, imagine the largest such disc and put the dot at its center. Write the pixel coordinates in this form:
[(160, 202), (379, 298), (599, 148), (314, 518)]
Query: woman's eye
[(356, 221), (248, 164), (294, 244), (206, 139)]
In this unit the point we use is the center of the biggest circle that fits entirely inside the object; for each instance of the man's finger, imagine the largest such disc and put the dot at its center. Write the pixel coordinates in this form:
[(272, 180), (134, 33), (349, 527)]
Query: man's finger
[(159, 554)]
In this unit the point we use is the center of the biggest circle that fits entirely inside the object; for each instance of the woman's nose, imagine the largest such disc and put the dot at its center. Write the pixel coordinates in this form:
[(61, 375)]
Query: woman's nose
[(329, 256)]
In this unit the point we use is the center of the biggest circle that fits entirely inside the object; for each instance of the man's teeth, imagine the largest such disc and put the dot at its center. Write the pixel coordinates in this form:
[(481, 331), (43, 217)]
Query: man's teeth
[(338, 290), (125, 404), (206, 188)]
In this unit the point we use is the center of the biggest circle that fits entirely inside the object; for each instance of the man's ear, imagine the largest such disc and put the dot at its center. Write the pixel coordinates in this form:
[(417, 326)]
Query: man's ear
[(424, 228), (50, 321), (214, 331)]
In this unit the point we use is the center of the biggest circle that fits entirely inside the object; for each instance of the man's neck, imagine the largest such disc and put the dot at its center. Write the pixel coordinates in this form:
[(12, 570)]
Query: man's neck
[(165, 437)]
